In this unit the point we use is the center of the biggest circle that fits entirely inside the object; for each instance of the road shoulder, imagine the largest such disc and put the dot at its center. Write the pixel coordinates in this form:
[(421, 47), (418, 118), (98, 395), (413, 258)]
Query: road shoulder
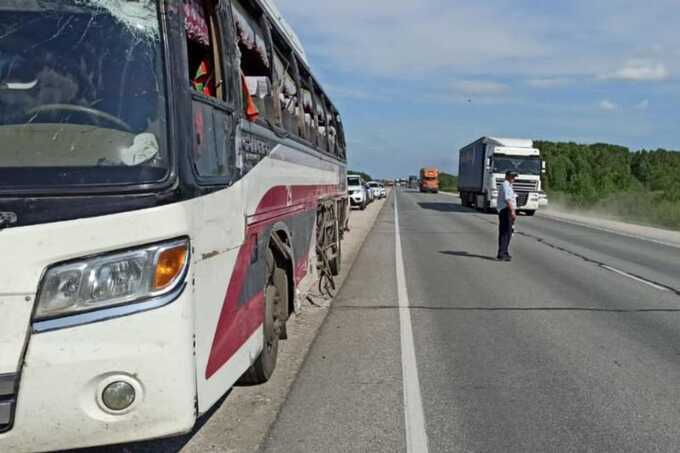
[(658, 235), (245, 417)]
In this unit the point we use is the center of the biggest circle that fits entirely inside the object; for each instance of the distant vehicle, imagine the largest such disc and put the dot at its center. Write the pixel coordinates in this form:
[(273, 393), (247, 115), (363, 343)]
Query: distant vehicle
[(369, 193), (383, 192), (412, 182), (378, 189), (482, 168), (356, 189), (429, 180)]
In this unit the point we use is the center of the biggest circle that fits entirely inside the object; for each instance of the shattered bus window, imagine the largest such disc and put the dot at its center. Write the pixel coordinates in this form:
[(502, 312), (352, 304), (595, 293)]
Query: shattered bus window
[(82, 93)]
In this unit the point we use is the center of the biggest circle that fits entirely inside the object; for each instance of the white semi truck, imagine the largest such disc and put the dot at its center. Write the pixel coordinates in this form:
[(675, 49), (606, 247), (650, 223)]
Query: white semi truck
[(482, 168)]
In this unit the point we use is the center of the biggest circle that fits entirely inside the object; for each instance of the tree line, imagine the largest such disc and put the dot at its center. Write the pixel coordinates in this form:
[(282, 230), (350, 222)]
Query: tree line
[(603, 174), (365, 176), (448, 182)]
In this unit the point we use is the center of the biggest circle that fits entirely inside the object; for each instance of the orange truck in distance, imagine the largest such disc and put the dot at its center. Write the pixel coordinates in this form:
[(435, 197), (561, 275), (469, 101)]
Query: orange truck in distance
[(429, 180)]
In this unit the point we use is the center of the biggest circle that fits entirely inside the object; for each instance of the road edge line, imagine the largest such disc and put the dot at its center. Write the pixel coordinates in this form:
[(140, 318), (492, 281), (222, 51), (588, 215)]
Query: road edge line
[(414, 418)]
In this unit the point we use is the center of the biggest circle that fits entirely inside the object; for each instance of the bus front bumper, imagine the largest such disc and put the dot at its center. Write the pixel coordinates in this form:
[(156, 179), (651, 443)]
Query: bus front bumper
[(59, 403)]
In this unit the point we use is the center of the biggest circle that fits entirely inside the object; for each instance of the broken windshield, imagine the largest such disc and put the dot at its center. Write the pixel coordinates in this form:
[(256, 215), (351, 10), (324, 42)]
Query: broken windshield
[(82, 98)]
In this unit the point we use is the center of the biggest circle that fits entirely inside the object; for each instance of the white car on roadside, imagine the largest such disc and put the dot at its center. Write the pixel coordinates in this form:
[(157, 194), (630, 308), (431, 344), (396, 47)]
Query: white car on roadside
[(356, 189), (370, 193), (378, 189)]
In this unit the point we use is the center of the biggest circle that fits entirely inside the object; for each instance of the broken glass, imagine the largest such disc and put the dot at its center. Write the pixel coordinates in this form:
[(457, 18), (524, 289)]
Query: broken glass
[(82, 93)]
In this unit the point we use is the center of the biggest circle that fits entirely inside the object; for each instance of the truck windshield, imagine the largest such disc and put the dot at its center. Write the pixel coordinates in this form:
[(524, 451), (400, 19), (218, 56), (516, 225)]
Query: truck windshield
[(522, 165), (82, 98), (353, 181)]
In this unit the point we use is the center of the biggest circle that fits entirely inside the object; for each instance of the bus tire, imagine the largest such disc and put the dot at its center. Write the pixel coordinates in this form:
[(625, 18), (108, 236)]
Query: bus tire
[(336, 263), (275, 297)]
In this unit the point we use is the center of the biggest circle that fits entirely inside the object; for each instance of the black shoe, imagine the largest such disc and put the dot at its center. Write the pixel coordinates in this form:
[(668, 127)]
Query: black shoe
[(507, 258)]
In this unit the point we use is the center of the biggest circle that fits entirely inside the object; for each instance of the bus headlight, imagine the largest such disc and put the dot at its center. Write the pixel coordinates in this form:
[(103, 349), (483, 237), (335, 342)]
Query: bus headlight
[(112, 279)]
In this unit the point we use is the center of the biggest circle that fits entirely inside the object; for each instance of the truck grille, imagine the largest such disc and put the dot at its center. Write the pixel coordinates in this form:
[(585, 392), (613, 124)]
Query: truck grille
[(7, 400), (522, 199), (521, 185)]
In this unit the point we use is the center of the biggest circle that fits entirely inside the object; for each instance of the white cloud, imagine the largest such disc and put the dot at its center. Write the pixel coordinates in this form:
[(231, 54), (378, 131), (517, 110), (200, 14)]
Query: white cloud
[(640, 70), (608, 105), (420, 39), (548, 82), (405, 39), (479, 87), (642, 105), (356, 93)]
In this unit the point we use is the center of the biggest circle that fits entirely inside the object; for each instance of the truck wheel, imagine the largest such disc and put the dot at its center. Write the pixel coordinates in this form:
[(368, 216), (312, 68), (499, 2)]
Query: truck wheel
[(530, 213), (275, 297)]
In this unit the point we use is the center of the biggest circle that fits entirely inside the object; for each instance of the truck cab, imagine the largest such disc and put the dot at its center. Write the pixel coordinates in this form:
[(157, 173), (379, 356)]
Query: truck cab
[(482, 170), (429, 180)]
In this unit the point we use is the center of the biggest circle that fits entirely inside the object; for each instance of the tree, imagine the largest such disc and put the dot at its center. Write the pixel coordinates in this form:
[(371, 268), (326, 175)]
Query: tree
[(366, 177)]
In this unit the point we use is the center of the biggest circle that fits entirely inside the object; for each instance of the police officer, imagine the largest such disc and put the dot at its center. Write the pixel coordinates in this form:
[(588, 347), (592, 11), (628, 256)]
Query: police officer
[(507, 214)]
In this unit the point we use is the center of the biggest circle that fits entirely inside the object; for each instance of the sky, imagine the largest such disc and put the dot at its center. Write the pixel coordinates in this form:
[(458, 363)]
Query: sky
[(415, 80)]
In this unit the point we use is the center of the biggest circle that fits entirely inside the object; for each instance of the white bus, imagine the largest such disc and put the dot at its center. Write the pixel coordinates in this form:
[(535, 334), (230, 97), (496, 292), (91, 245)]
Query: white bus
[(170, 171)]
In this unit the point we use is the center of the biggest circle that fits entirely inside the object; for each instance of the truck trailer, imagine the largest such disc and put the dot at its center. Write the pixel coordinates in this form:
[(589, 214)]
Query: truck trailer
[(482, 168), (429, 180)]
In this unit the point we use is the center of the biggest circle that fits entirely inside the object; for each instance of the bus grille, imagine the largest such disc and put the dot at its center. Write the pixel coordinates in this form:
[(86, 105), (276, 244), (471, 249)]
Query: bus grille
[(7, 400)]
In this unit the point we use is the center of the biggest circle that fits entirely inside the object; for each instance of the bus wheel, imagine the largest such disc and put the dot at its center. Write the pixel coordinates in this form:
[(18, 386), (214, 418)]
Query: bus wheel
[(275, 297), (336, 263)]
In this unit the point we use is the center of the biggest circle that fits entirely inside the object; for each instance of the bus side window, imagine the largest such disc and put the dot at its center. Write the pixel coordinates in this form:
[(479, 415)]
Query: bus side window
[(205, 71), (255, 61), (332, 131), (212, 126), (341, 136), (286, 90), (308, 106), (319, 119)]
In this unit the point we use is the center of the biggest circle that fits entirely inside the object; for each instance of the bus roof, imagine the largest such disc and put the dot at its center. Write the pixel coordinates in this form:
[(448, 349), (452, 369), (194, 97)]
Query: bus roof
[(285, 27)]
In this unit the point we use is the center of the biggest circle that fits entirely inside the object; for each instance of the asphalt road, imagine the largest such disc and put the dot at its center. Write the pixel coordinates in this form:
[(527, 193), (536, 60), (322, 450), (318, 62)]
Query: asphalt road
[(574, 346)]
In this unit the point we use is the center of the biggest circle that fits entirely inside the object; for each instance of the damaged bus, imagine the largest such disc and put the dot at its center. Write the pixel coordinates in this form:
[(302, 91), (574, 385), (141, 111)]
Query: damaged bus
[(170, 172)]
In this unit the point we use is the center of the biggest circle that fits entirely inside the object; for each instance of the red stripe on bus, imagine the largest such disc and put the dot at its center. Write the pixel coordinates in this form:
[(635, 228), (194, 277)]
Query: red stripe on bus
[(276, 214), (238, 322)]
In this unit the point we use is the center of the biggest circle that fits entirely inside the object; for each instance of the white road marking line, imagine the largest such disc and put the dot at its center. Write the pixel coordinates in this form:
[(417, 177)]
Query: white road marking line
[(549, 216), (633, 277), (414, 418), (608, 230)]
